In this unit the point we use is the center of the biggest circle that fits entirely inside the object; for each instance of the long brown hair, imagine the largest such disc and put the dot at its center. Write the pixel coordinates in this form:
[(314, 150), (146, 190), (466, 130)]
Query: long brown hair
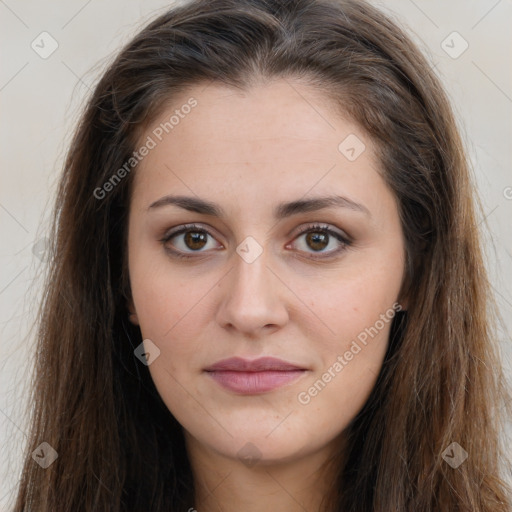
[(119, 448)]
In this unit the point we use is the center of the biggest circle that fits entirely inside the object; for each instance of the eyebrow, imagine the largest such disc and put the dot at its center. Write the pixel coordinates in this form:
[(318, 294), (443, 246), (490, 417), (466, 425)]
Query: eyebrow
[(281, 211)]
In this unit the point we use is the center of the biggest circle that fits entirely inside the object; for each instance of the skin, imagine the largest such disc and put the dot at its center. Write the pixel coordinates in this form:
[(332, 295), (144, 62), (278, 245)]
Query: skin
[(249, 151)]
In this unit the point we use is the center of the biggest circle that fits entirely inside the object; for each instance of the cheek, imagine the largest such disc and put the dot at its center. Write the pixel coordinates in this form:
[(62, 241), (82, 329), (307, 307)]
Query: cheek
[(172, 321), (343, 306), (337, 322), (359, 311), (165, 296), (174, 311), (351, 359), (356, 313)]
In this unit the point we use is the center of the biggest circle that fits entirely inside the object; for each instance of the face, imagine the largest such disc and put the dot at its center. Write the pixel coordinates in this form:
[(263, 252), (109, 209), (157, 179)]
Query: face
[(257, 264)]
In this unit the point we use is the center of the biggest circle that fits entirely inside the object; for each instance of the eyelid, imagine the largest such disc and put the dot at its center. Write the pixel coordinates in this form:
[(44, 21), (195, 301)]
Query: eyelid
[(321, 226), (183, 228), (338, 234), (341, 236), (187, 227)]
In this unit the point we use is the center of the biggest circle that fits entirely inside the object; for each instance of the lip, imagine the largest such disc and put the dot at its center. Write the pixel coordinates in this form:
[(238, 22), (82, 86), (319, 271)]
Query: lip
[(248, 377), (262, 364)]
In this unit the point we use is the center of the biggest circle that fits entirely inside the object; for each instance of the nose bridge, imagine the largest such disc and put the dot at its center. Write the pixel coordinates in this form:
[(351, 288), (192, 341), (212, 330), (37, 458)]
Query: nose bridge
[(250, 284), (250, 274), (251, 300), (251, 271)]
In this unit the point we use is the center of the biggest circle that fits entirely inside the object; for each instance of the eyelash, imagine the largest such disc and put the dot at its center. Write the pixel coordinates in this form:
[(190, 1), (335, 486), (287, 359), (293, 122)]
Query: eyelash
[(322, 228)]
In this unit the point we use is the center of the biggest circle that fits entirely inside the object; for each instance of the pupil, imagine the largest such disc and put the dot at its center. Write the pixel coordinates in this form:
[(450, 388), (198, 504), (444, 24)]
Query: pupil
[(192, 238), (317, 240), (196, 240)]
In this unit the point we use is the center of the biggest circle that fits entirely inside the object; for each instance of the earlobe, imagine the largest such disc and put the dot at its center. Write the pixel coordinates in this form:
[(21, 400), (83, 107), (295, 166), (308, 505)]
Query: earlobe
[(404, 296), (404, 304), (133, 315)]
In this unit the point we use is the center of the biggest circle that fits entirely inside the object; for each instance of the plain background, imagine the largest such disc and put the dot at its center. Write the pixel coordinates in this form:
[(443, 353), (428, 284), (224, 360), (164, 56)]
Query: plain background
[(41, 100)]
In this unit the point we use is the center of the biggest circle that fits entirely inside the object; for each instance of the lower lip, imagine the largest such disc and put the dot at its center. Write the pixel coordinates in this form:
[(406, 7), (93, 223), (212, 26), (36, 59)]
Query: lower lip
[(249, 383)]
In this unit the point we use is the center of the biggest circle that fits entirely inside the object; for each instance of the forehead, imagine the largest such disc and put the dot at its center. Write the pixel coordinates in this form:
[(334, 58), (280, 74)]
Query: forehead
[(262, 116), (282, 138)]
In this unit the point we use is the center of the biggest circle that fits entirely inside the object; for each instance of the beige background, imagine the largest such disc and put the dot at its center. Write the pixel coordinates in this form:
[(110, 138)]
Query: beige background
[(40, 100)]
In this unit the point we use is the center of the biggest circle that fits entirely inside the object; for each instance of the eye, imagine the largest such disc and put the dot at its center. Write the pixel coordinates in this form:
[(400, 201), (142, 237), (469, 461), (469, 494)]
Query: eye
[(190, 238), (321, 237)]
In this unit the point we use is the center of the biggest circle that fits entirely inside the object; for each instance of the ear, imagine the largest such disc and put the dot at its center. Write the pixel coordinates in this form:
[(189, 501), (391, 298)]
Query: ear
[(405, 294), (133, 315), (404, 302)]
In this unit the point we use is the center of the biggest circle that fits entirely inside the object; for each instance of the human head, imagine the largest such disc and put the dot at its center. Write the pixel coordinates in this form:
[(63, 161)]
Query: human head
[(325, 303), (377, 79)]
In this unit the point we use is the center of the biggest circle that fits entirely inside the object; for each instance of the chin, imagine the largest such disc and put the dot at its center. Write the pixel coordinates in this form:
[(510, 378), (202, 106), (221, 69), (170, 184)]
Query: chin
[(256, 447)]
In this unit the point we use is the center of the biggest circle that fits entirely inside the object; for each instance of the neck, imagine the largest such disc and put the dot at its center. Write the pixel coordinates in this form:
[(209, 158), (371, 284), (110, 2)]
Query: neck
[(224, 484)]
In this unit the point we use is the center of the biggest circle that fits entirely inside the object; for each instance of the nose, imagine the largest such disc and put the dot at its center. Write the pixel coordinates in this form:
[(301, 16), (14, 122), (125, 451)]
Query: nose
[(253, 298)]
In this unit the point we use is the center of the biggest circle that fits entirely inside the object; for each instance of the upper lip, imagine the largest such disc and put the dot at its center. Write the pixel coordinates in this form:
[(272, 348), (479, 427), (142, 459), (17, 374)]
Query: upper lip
[(238, 364)]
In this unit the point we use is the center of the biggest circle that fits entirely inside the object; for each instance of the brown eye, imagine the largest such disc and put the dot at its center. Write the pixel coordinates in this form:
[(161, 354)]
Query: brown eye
[(317, 240), (195, 240), (186, 240), (321, 240)]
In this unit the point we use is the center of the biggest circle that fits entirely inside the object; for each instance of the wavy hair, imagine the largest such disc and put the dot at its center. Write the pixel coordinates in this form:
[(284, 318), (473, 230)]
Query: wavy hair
[(119, 448)]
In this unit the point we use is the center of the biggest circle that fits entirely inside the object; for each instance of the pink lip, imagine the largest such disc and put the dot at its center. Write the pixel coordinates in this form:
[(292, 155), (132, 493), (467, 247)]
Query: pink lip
[(252, 377)]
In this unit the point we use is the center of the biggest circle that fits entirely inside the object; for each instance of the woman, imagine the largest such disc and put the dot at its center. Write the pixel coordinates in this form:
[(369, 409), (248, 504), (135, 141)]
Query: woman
[(266, 289)]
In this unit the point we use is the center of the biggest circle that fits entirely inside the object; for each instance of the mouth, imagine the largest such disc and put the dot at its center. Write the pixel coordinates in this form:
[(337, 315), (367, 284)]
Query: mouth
[(247, 377)]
